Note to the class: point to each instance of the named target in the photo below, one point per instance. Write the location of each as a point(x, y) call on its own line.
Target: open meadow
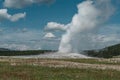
point(59, 69)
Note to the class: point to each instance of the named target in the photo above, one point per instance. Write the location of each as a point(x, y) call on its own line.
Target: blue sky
point(28, 31)
point(38, 15)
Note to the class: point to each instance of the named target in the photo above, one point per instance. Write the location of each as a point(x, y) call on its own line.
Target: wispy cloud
point(27, 39)
point(53, 26)
point(49, 35)
point(4, 15)
point(23, 3)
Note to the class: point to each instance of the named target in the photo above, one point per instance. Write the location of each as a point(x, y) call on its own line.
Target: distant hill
point(107, 52)
point(4, 49)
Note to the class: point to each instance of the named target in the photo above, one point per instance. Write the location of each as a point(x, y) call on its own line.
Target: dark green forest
point(21, 53)
point(107, 52)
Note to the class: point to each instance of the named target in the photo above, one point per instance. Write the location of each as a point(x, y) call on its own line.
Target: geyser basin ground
point(55, 55)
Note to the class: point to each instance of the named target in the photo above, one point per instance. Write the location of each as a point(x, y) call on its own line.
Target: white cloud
point(4, 15)
point(23, 3)
point(18, 16)
point(49, 35)
point(53, 26)
point(24, 30)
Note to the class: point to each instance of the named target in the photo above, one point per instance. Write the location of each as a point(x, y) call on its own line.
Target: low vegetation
point(30, 72)
point(95, 61)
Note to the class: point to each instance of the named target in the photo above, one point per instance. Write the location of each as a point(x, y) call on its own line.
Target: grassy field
point(95, 61)
point(26, 71)
point(111, 61)
point(29, 72)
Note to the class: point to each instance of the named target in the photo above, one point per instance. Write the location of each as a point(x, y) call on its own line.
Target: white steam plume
point(91, 14)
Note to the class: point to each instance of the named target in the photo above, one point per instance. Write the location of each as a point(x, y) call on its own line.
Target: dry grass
point(29, 72)
point(51, 69)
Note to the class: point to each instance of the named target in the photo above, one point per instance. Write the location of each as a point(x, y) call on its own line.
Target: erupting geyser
point(91, 14)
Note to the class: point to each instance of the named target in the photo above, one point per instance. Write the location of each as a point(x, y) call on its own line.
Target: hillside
point(107, 52)
point(4, 49)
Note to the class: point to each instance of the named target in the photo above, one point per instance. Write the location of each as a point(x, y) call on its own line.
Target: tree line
point(21, 53)
point(107, 52)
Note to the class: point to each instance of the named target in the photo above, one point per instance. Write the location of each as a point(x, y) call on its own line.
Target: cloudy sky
point(39, 24)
